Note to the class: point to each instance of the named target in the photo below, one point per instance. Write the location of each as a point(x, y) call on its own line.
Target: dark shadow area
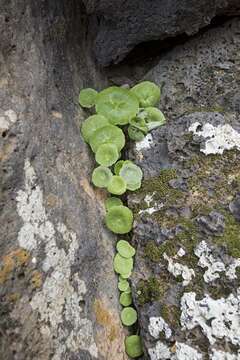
point(147, 54)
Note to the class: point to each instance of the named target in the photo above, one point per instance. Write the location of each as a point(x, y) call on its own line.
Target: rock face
point(58, 293)
point(124, 24)
point(187, 228)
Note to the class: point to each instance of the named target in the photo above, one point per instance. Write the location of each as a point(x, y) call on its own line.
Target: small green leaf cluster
point(117, 107)
point(123, 265)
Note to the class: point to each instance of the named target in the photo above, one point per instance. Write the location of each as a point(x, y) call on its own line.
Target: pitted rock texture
point(188, 250)
point(124, 24)
point(58, 293)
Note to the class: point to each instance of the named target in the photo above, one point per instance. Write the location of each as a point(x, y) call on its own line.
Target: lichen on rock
point(62, 291)
point(218, 139)
point(192, 168)
point(218, 319)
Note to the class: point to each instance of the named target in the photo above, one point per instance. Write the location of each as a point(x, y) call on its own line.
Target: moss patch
point(161, 191)
point(155, 252)
point(171, 314)
point(152, 289)
point(231, 235)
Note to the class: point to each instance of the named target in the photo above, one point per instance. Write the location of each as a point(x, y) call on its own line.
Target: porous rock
point(199, 86)
point(121, 25)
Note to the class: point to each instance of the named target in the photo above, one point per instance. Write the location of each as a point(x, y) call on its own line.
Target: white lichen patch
point(177, 269)
point(214, 266)
point(149, 198)
point(186, 352)
point(221, 355)
point(218, 138)
point(181, 252)
point(152, 209)
point(159, 352)
point(218, 319)
point(7, 118)
point(157, 325)
point(61, 293)
point(149, 201)
point(146, 143)
point(180, 351)
point(231, 270)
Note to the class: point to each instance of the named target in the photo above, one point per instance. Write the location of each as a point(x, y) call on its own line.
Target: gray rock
point(234, 207)
point(199, 193)
point(212, 223)
point(58, 291)
point(124, 24)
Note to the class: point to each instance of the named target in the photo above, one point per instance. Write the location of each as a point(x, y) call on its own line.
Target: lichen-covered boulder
point(121, 25)
point(58, 291)
point(187, 224)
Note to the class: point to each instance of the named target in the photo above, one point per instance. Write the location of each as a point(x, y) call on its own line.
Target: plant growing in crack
point(134, 111)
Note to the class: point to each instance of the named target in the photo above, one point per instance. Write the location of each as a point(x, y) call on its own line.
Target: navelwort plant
point(120, 111)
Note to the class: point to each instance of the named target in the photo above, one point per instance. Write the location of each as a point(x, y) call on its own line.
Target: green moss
point(231, 235)
point(188, 237)
point(197, 285)
point(155, 252)
point(161, 190)
point(216, 108)
point(159, 184)
point(152, 289)
point(171, 314)
point(220, 289)
point(201, 209)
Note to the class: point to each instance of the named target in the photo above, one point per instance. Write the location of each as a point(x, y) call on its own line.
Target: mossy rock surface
point(187, 210)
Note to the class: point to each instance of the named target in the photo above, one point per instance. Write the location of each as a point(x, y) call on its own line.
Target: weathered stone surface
point(58, 293)
point(186, 279)
point(124, 24)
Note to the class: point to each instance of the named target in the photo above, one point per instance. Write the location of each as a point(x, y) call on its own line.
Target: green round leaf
point(117, 104)
point(125, 249)
point(133, 187)
point(133, 346)
point(122, 265)
point(107, 154)
point(126, 275)
point(87, 97)
point(125, 299)
point(107, 134)
point(123, 285)
point(101, 176)
point(118, 166)
point(131, 173)
point(128, 316)
point(135, 134)
point(119, 219)
point(147, 93)
point(154, 118)
point(139, 124)
point(91, 124)
point(117, 185)
point(112, 201)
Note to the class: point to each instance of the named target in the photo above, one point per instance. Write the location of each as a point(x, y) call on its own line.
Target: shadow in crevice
point(146, 55)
